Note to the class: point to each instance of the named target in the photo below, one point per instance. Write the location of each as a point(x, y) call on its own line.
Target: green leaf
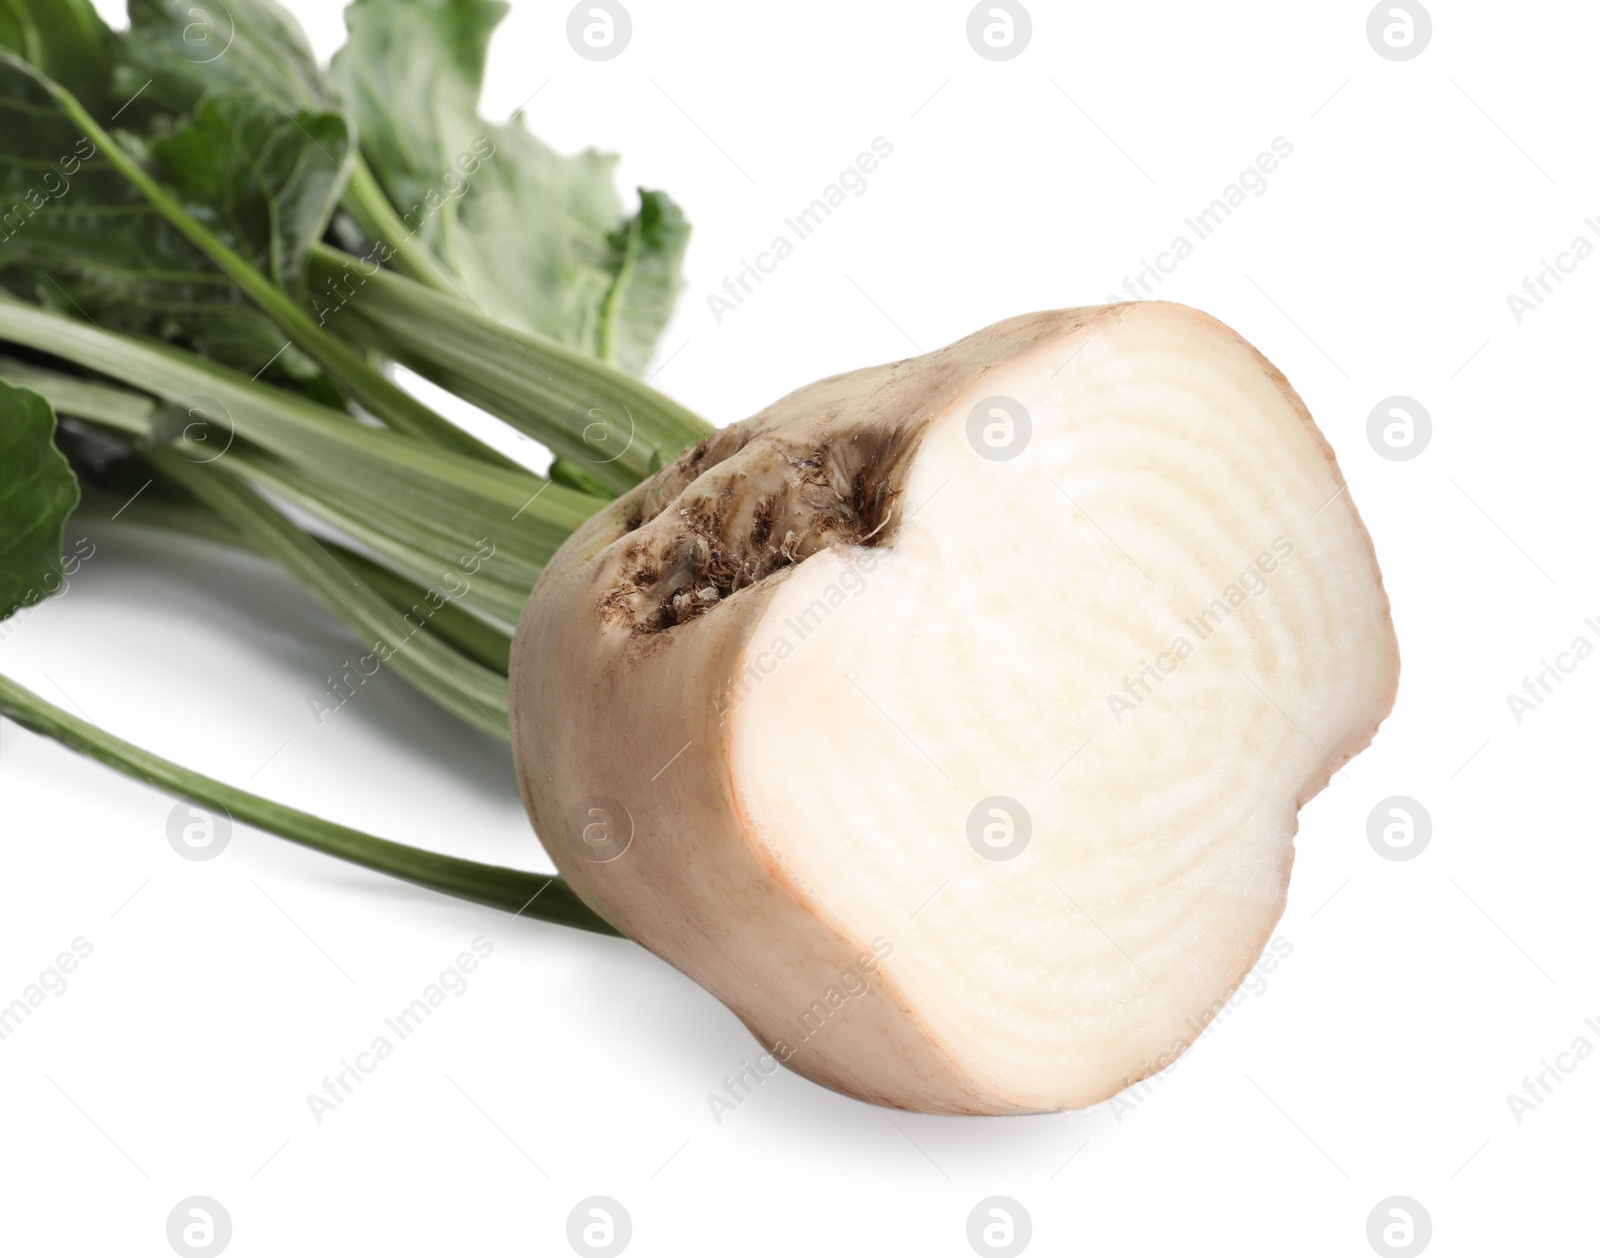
point(77, 236)
point(382, 397)
point(37, 493)
point(265, 182)
point(64, 38)
point(535, 240)
point(646, 256)
point(174, 53)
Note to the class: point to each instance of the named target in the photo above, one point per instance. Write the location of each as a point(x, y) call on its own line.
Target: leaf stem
point(520, 892)
point(598, 417)
point(611, 308)
point(364, 198)
point(458, 490)
point(452, 680)
point(473, 636)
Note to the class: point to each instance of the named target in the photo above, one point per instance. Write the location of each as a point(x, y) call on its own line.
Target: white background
point(1417, 995)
